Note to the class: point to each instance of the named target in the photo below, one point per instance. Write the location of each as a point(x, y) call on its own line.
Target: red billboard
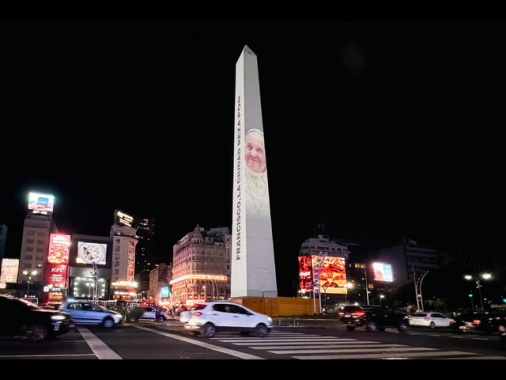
point(59, 246)
point(56, 275)
point(305, 274)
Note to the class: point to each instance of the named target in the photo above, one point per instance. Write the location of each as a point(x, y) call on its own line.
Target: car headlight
point(269, 319)
point(58, 317)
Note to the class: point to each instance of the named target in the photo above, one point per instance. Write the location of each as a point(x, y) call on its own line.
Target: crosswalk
point(304, 346)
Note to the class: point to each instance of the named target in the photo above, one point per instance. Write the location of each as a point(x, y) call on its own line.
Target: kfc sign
point(56, 275)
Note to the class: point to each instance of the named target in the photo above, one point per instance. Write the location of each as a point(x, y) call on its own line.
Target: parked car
point(208, 318)
point(147, 313)
point(22, 318)
point(429, 319)
point(89, 313)
point(486, 322)
point(376, 319)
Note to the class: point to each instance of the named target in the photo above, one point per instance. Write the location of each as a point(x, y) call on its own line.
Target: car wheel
point(160, 319)
point(371, 326)
point(432, 325)
point(108, 323)
point(208, 330)
point(261, 330)
point(37, 333)
point(403, 327)
point(350, 327)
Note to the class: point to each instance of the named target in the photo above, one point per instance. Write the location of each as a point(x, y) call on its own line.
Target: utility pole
point(95, 276)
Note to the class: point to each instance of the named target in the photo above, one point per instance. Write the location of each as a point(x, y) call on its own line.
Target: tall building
point(145, 253)
point(253, 265)
point(37, 229)
point(201, 266)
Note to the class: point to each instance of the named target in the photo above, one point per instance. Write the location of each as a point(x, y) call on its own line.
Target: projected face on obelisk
point(257, 190)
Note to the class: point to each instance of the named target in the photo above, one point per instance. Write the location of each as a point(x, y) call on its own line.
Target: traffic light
point(470, 295)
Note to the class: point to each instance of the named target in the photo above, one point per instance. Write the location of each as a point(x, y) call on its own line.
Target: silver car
point(89, 313)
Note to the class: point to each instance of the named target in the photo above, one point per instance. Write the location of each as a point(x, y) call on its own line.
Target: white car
point(89, 313)
point(149, 313)
point(208, 318)
point(429, 319)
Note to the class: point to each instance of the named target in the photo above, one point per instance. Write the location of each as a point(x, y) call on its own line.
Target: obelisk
point(253, 271)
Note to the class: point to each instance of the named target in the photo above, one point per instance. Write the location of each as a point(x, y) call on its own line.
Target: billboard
point(329, 274)
point(9, 272)
point(40, 203)
point(56, 275)
point(122, 219)
point(305, 274)
point(382, 272)
point(87, 253)
point(59, 246)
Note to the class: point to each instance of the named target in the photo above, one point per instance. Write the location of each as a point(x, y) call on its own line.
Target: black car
point(22, 318)
point(376, 319)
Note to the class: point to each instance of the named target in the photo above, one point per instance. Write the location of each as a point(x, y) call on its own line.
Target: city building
point(201, 266)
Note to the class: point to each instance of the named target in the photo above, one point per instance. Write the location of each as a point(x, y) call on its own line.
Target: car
point(487, 322)
point(351, 314)
point(208, 318)
point(90, 313)
point(22, 318)
point(429, 319)
point(148, 313)
point(376, 319)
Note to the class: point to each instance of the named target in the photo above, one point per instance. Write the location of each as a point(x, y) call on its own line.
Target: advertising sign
point(40, 203)
point(56, 275)
point(59, 246)
point(9, 271)
point(87, 253)
point(329, 274)
point(382, 272)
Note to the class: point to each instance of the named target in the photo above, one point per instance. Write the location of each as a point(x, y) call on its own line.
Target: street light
point(381, 298)
point(485, 276)
point(348, 285)
point(29, 274)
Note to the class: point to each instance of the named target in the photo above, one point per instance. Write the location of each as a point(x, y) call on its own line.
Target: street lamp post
point(485, 276)
point(29, 274)
point(381, 296)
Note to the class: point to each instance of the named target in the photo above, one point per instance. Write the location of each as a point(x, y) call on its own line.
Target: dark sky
point(375, 129)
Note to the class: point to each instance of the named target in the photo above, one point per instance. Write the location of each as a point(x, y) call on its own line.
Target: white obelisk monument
point(253, 271)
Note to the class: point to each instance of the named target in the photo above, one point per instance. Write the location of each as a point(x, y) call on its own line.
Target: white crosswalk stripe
point(316, 347)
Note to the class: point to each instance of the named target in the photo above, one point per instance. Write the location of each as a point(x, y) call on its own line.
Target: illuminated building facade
point(201, 266)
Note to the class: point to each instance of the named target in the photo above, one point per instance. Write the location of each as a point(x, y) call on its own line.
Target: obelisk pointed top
point(247, 50)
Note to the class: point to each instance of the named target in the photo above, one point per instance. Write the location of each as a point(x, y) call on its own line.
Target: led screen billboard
point(305, 274)
point(329, 273)
point(56, 275)
point(9, 272)
point(382, 272)
point(88, 252)
point(40, 203)
point(59, 246)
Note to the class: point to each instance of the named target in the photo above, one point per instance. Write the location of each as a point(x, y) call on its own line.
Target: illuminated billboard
point(56, 275)
point(87, 253)
point(329, 273)
point(305, 274)
point(59, 246)
point(9, 272)
point(40, 203)
point(122, 219)
point(382, 272)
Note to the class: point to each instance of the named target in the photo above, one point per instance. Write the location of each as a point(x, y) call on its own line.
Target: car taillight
point(197, 313)
point(476, 322)
point(359, 313)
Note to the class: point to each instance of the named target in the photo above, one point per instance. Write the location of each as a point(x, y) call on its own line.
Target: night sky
point(376, 130)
